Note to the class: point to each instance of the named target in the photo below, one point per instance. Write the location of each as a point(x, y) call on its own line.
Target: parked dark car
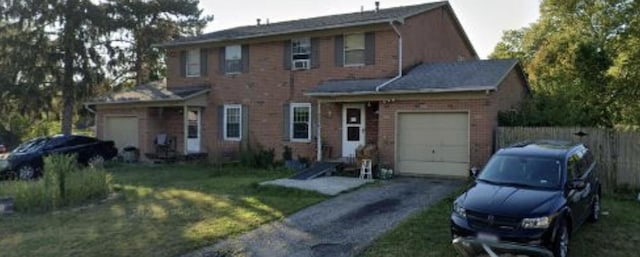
point(528, 200)
point(26, 161)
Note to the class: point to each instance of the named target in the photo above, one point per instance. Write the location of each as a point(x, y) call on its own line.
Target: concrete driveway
point(341, 226)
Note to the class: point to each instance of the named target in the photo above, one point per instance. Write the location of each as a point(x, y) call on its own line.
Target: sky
point(483, 20)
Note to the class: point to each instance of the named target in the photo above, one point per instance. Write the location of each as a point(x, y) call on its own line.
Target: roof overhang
point(159, 102)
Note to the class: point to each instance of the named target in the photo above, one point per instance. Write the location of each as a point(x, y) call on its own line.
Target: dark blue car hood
point(510, 201)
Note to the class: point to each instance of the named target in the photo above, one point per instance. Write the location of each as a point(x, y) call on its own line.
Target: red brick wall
point(433, 37)
point(267, 85)
point(481, 125)
point(511, 91)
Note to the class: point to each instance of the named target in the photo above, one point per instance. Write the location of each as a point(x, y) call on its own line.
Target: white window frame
point(344, 50)
point(299, 56)
point(227, 55)
point(292, 106)
point(224, 127)
point(193, 53)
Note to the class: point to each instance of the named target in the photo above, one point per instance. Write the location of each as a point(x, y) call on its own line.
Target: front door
point(193, 131)
point(353, 127)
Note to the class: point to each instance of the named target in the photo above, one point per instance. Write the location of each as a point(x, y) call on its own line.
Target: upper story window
point(300, 123)
point(193, 63)
point(233, 59)
point(232, 122)
point(300, 53)
point(354, 49)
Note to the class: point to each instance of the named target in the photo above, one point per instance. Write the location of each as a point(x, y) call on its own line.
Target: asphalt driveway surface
point(341, 226)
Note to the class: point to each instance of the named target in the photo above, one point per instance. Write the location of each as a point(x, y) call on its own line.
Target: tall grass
point(63, 184)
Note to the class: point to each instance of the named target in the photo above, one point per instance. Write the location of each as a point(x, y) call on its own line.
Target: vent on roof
point(377, 6)
point(258, 21)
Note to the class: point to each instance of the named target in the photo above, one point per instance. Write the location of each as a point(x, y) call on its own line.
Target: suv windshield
point(522, 171)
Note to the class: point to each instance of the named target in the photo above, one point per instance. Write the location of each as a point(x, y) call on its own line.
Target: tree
point(574, 56)
point(141, 24)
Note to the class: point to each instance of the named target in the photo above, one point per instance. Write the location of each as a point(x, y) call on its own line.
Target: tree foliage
point(55, 54)
point(578, 60)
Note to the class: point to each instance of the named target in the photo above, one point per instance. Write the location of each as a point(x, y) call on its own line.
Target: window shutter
point(204, 56)
point(286, 57)
point(244, 134)
point(369, 48)
point(183, 64)
point(315, 53)
point(221, 60)
point(339, 51)
point(313, 121)
point(245, 58)
point(221, 122)
point(286, 122)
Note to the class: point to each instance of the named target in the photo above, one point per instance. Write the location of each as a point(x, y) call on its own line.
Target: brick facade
point(431, 36)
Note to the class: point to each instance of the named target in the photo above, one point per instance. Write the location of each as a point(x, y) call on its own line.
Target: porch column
point(319, 135)
point(185, 121)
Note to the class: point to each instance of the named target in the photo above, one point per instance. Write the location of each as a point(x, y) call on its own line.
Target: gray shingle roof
point(310, 24)
point(475, 75)
point(153, 91)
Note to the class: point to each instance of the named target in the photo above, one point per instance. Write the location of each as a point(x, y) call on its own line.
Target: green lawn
point(161, 211)
point(427, 233)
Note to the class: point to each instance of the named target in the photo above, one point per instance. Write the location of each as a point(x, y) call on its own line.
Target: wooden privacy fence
point(617, 152)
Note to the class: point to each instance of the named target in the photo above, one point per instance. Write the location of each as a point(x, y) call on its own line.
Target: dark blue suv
point(528, 199)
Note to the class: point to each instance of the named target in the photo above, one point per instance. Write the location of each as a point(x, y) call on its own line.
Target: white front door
point(193, 131)
point(353, 128)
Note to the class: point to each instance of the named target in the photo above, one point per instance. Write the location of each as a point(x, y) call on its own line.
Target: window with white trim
point(354, 49)
point(233, 59)
point(193, 63)
point(300, 123)
point(232, 122)
point(300, 53)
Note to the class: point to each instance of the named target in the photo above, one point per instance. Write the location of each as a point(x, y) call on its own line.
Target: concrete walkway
point(333, 185)
point(341, 226)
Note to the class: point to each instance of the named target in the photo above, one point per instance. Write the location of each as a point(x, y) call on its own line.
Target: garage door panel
point(122, 130)
point(433, 143)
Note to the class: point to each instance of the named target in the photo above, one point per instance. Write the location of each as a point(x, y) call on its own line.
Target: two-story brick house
point(405, 79)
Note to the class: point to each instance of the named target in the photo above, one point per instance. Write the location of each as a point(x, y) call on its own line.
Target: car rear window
point(523, 170)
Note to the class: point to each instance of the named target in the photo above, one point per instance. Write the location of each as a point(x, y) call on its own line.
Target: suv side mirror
point(577, 184)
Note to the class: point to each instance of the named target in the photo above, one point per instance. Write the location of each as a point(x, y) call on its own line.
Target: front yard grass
point(427, 233)
point(161, 211)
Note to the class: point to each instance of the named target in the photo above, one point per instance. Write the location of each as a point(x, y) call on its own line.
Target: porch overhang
point(155, 94)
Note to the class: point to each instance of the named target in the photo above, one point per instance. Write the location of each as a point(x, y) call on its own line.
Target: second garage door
point(123, 130)
point(433, 144)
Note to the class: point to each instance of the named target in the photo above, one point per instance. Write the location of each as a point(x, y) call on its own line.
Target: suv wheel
point(96, 160)
point(26, 172)
point(595, 209)
point(561, 244)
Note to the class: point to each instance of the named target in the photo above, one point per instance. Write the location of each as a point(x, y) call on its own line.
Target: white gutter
point(399, 59)
point(92, 111)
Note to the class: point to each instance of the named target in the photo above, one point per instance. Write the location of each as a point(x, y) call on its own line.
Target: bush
point(63, 185)
point(260, 159)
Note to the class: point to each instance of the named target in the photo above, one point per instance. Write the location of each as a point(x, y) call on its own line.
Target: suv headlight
point(542, 222)
point(459, 210)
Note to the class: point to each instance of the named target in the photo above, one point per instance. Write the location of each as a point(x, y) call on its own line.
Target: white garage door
point(123, 130)
point(433, 144)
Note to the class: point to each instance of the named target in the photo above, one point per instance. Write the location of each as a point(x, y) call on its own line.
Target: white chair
point(365, 169)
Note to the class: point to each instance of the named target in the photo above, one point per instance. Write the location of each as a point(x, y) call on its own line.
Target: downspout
point(395, 29)
point(319, 135)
